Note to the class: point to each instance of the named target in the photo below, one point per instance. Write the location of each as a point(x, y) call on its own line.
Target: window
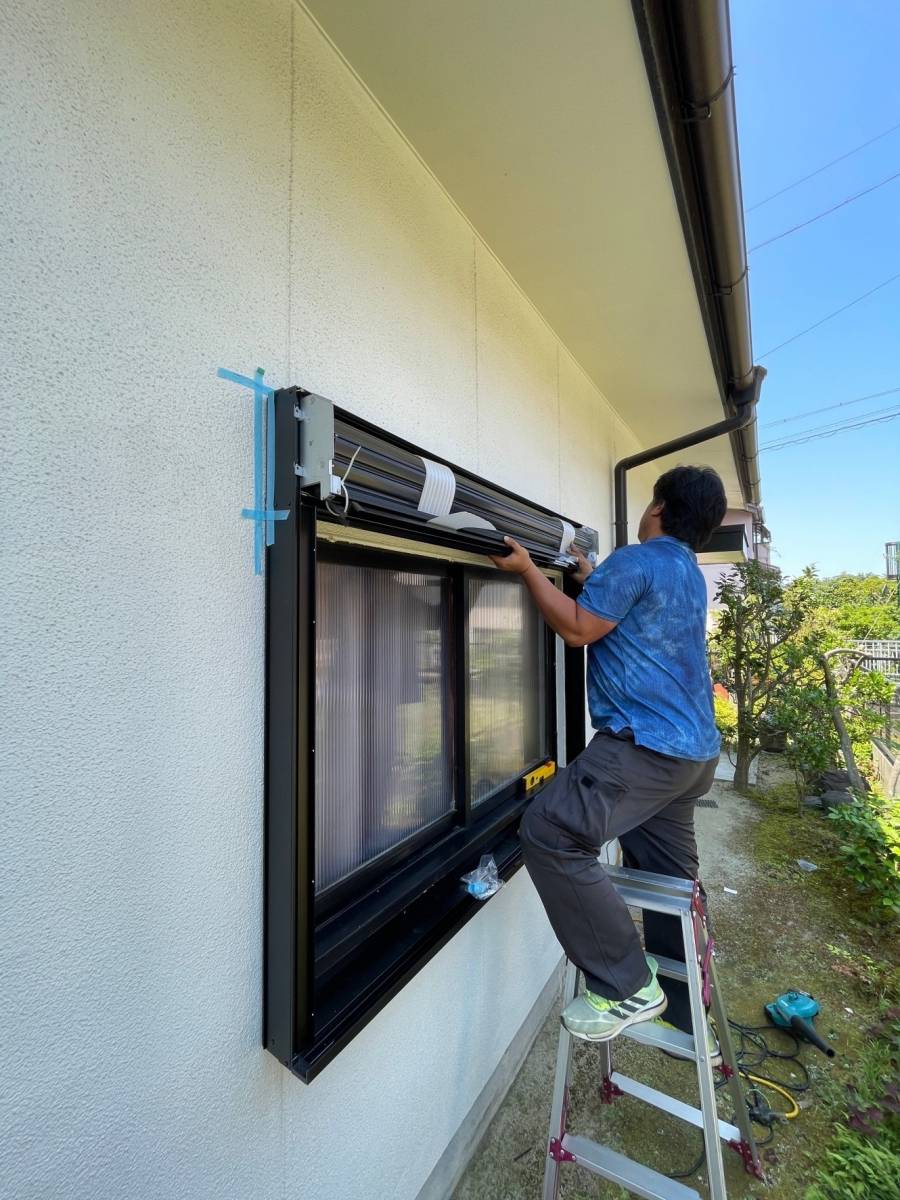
point(507, 679)
point(384, 769)
point(412, 688)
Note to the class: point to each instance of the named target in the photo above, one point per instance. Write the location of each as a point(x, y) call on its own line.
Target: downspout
point(745, 403)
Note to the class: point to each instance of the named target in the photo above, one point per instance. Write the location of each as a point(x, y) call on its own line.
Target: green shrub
point(858, 1168)
point(864, 1159)
point(726, 719)
point(870, 848)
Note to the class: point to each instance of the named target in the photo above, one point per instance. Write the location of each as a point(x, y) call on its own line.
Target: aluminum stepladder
point(680, 898)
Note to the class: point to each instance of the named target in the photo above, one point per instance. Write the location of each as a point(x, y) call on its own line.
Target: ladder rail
point(733, 1080)
point(560, 1103)
point(715, 1165)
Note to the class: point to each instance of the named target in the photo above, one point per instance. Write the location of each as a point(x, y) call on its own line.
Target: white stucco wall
point(191, 185)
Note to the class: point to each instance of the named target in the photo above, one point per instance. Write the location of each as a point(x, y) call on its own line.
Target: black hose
point(753, 1050)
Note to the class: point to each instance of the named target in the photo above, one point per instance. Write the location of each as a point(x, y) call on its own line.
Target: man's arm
point(575, 625)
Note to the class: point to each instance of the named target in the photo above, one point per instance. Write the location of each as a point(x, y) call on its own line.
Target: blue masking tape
point(255, 385)
point(263, 513)
point(266, 514)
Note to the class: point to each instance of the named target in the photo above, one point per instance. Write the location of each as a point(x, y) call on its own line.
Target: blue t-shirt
point(650, 674)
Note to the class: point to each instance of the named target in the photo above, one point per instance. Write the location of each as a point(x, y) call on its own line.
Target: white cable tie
point(341, 480)
point(438, 490)
point(350, 466)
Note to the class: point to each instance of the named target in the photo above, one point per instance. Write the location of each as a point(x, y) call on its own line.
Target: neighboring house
point(742, 537)
point(489, 232)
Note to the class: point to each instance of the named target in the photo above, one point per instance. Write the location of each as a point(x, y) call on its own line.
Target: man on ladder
point(642, 615)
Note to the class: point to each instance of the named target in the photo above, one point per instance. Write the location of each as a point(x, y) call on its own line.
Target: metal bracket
point(609, 1091)
point(316, 415)
point(694, 111)
point(559, 1153)
point(751, 1167)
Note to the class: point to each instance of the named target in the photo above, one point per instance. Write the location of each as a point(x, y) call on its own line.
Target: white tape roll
point(438, 490)
point(568, 536)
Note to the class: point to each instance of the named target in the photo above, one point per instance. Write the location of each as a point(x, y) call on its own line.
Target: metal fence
point(882, 655)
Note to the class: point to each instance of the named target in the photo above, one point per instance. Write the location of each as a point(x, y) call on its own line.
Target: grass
point(850, 1139)
point(789, 832)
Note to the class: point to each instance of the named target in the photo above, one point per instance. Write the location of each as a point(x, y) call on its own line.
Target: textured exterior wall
point(194, 185)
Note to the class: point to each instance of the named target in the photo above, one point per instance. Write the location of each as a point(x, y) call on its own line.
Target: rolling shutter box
point(364, 475)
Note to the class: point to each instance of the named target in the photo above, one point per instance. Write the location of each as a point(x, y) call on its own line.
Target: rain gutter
point(687, 52)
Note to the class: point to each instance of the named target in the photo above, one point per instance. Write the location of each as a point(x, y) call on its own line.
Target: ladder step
point(677, 1108)
point(671, 967)
point(655, 901)
point(634, 1177)
point(651, 879)
point(673, 1040)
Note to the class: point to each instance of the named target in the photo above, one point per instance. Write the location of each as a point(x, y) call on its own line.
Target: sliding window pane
point(507, 666)
point(383, 747)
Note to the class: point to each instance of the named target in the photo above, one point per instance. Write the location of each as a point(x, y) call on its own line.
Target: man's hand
point(517, 561)
point(584, 567)
point(575, 625)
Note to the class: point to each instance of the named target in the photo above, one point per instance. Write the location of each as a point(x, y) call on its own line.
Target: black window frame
point(333, 961)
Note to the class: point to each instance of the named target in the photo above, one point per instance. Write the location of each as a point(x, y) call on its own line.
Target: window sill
point(347, 929)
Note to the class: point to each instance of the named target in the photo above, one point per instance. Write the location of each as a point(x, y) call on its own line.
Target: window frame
point(333, 961)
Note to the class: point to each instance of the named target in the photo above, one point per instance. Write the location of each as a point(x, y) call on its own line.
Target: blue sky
point(814, 78)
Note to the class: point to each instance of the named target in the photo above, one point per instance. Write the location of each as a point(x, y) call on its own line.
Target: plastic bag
point(484, 881)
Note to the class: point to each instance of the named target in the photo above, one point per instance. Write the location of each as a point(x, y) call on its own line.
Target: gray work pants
point(615, 789)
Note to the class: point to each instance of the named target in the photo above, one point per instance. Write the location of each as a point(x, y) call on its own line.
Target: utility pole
point(892, 564)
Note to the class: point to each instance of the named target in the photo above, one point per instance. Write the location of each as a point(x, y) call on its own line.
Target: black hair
point(693, 501)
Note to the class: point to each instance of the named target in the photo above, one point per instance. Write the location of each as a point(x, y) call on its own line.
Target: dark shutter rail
point(384, 479)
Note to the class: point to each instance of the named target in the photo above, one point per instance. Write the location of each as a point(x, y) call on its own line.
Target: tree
point(755, 624)
point(837, 715)
point(861, 606)
point(828, 707)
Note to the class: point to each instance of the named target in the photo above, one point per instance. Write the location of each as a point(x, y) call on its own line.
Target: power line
point(826, 213)
point(876, 412)
point(836, 313)
point(837, 425)
point(819, 170)
point(813, 435)
point(814, 412)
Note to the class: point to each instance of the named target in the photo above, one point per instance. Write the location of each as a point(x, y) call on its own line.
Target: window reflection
point(507, 669)
point(383, 755)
